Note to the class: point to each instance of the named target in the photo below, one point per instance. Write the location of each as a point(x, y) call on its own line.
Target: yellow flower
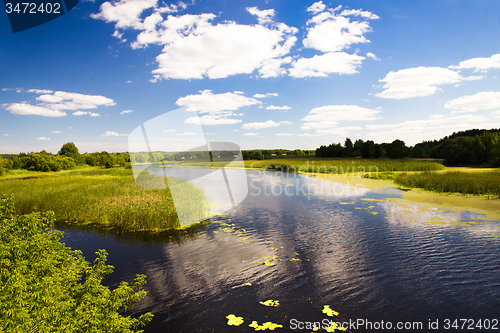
point(329, 311)
point(233, 320)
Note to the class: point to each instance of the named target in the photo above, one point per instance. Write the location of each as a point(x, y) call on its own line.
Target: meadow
point(108, 198)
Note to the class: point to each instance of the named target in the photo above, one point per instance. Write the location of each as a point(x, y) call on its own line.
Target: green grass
point(106, 197)
point(477, 183)
point(344, 166)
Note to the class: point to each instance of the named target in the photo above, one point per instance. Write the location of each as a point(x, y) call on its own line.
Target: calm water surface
point(329, 244)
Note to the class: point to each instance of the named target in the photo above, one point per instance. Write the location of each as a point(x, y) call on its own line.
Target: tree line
point(67, 158)
point(471, 147)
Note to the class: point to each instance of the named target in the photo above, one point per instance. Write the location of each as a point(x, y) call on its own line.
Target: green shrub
point(47, 287)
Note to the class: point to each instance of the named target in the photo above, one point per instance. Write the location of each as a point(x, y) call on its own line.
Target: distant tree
point(397, 149)
point(348, 146)
point(357, 148)
point(69, 149)
point(257, 155)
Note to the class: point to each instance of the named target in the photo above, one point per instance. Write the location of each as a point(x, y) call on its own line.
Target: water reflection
point(366, 254)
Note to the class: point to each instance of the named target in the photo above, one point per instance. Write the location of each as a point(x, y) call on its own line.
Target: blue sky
point(261, 74)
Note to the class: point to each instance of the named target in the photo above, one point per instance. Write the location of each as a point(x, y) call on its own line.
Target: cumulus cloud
point(26, 109)
point(417, 82)
point(111, 133)
point(480, 64)
point(266, 124)
point(250, 134)
point(126, 111)
point(317, 7)
point(328, 116)
point(263, 16)
point(333, 32)
point(52, 104)
point(42, 138)
point(273, 107)
point(196, 47)
point(56, 132)
point(265, 95)
point(208, 102)
point(187, 133)
point(284, 134)
point(5, 134)
point(480, 101)
point(216, 107)
point(325, 64)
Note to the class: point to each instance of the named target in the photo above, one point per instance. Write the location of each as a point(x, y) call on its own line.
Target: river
point(367, 254)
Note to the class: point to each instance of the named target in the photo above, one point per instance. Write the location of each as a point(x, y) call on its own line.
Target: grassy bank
point(343, 166)
point(106, 197)
point(476, 183)
point(332, 165)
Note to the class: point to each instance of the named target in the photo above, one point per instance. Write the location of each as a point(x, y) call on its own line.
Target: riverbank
point(426, 199)
point(107, 198)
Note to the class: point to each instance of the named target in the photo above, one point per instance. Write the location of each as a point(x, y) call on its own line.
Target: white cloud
point(168, 131)
point(52, 103)
point(250, 134)
point(328, 116)
point(208, 102)
point(266, 124)
point(126, 111)
point(56, 132)
point(28, 110)
point(496, 114)
point(372, 55)
point(331, 32)
point(416, 82)
point(273, 107)
point(5, 134)
point(40, 91)
point(317, 7)
point(187, 133)
point(325, 64)
point(263, 16)
point(111, 133)
point(480, 64)
point(218, 51)
point(217, 106)
point(61, 100)
point(479, 101)
point(265, 95)
point(284, 134)
point(80, 113)
point(7, 89)
point(42, 138)
point(126, 13)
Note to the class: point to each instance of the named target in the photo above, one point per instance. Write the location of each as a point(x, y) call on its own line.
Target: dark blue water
point(369, 260)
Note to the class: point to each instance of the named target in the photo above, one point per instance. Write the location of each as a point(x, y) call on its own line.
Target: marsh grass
point(109, 198)
point(476, 183)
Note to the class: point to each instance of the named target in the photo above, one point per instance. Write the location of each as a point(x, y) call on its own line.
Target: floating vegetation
point(371, 199)
point(329, 312)
point(248, 284)
point(270, 303)
point(347, 203)
point(233, 320)
point(268, 325)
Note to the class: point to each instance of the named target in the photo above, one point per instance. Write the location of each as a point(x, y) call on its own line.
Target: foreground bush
point(47, 287)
